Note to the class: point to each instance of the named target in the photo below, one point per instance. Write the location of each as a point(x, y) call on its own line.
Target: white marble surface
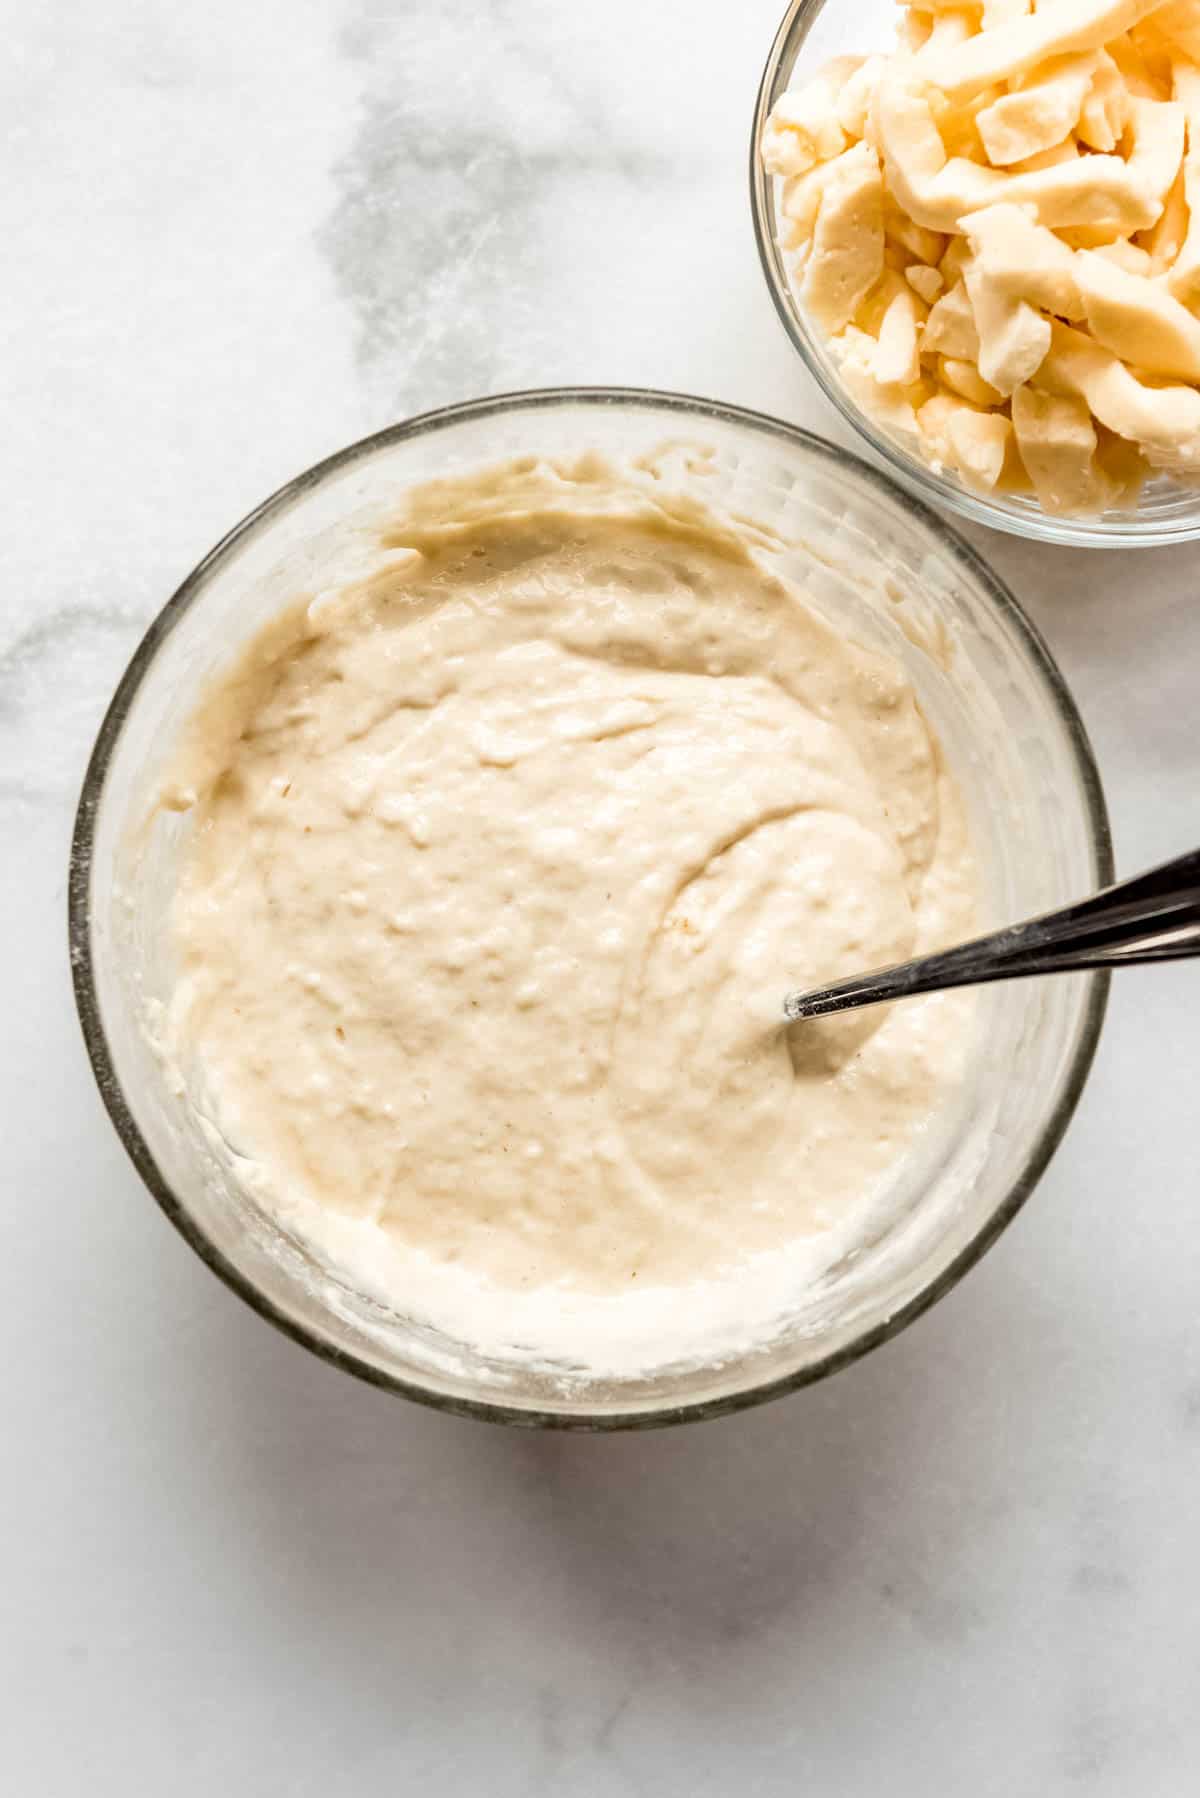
point(236, 237)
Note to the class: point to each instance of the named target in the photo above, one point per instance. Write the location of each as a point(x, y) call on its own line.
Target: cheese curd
point(997, 227)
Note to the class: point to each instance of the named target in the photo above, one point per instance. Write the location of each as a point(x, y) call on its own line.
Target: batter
point(504, 858)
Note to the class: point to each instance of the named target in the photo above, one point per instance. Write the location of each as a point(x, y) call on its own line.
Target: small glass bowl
point(871, 558)
point(811, 33)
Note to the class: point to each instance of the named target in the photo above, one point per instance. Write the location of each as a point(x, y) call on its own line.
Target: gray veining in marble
point(479, 129)
point(237, 237)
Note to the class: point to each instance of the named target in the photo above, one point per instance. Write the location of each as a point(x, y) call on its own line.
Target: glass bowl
point(889, 572)
point(811, 33)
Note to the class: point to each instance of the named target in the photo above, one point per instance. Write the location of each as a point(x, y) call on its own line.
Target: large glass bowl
point(886, 570)
point(811, 33)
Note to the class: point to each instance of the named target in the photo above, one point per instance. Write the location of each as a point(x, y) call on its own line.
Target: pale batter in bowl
point(541, 1320)
point(503, 858)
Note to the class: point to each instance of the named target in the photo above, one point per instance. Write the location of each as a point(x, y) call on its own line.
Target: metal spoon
point(1155, 917)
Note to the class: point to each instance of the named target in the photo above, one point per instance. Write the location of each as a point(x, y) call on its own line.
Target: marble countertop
point(237, 237)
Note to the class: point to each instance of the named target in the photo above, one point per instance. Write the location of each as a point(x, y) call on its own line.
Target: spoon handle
point(1154, 917)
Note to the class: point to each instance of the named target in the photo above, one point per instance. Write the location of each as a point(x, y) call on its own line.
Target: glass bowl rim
point(914, 475)
point(82, 857)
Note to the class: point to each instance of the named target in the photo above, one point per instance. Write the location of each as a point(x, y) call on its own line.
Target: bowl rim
point(917, 477)
point(82, 862)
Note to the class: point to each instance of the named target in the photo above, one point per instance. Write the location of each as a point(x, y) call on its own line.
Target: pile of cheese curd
point(996, 227)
